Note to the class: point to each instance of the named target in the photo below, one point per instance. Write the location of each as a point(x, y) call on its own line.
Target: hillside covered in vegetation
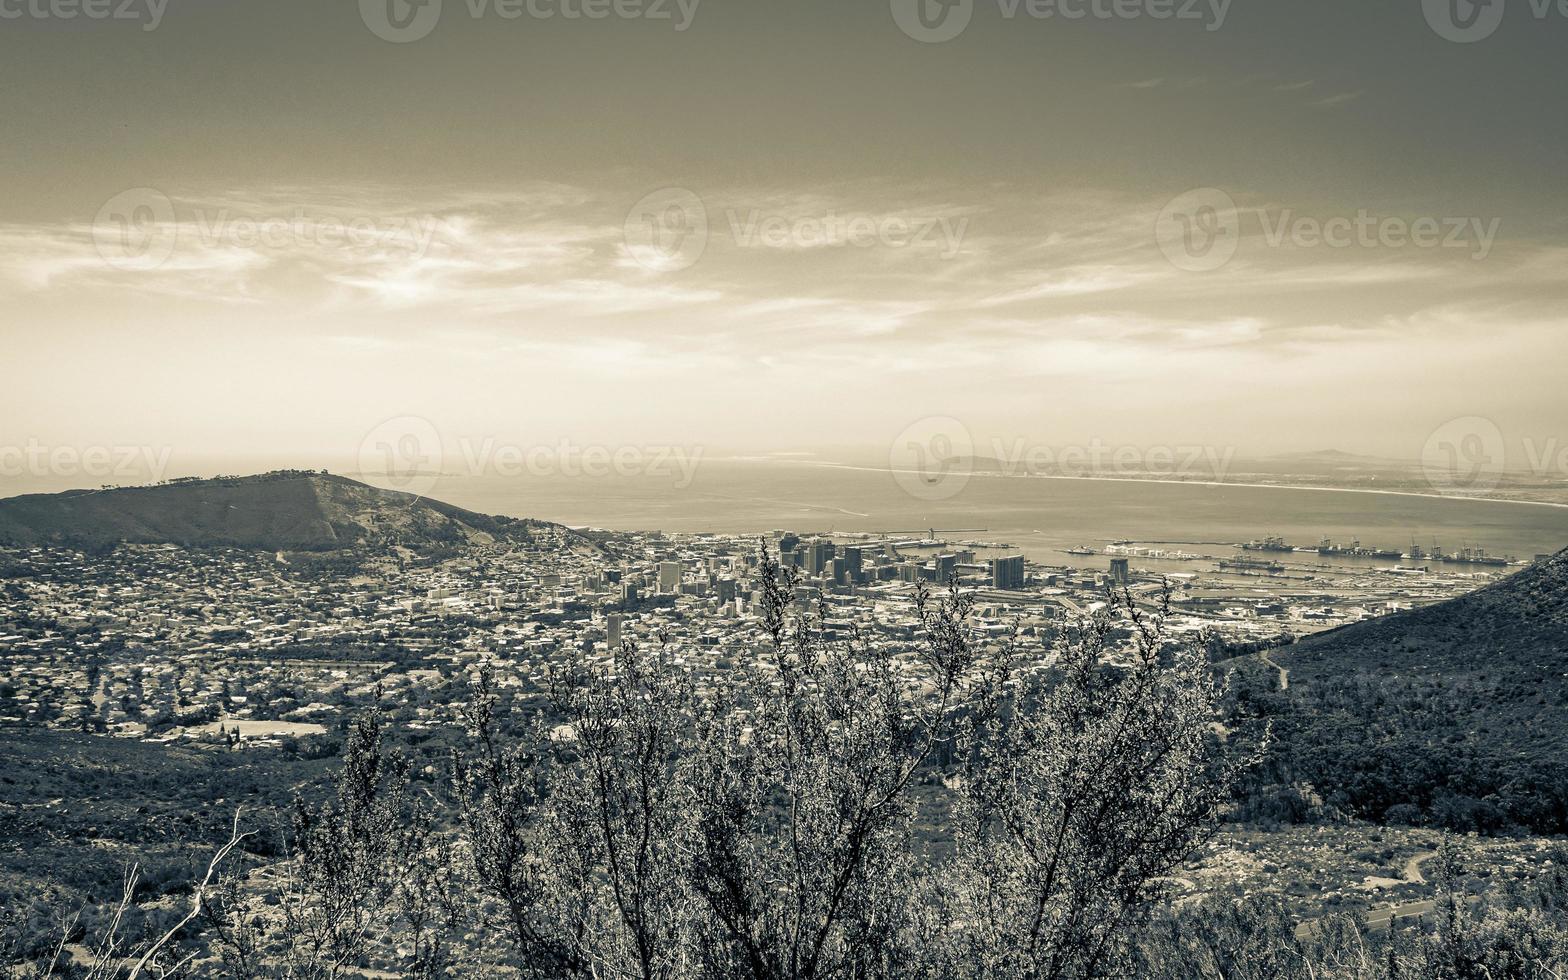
point(1455, 715)
point(297, 510)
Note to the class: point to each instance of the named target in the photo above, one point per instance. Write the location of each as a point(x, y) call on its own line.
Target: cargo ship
point(1130, 551)
point(1464, 556)
point(1269, 544)
point(1330, 549)
point(1471, 556)
point(1080, 551)
point(1244, 563)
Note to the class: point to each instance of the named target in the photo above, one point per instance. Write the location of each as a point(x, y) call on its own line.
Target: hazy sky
point(324, 229)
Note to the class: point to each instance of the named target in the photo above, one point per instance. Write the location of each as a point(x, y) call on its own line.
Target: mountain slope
point(1455, 715)
point(1520, 620)
point(288, 510)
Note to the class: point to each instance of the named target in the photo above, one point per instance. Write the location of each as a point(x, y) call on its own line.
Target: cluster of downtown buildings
point(165, 642)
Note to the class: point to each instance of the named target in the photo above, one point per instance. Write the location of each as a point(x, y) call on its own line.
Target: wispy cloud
point(1338, 99)
point(556, 261)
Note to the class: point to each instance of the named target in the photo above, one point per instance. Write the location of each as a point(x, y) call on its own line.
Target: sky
point(270, 229)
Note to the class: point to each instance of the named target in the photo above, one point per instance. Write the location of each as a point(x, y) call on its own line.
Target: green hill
point(288, 510)
point(1453, 715)
point(1519, 622)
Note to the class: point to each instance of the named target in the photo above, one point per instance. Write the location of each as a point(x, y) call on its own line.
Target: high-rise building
point(669, 577)
point(1007, 573)
point(612, 629)
point(854, 560)
point(946, 568)
point(818, 553)
point(1120, 574)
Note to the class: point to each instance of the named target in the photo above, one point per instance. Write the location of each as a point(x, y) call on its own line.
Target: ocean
point(1037, 514)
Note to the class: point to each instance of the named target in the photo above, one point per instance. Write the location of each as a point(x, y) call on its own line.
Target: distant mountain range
point(292, 510)
point(1329, 455)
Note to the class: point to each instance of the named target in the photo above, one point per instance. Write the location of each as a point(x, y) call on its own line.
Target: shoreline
point(1198, 483)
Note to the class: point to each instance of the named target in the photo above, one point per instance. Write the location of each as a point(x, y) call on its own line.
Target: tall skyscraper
point(669, 576)
point(818, 554)
point(1007, 573)
point(854, 560)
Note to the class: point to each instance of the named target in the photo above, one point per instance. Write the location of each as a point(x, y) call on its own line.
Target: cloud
point(1077, 270)
point(1339, 99)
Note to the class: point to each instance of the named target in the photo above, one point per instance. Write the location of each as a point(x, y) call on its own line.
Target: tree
point(499, 793)
point(348, 855)
point(1091, 785)
point(803, 855)
point(619, 809)
point(766, 830)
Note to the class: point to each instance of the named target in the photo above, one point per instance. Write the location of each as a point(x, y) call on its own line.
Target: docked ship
point(1080, 551)
point(1269, 544)
point(1244, 563)
point(1464, 556)
point(1471, 556)
point(1330, 549)
point(1132, 551)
